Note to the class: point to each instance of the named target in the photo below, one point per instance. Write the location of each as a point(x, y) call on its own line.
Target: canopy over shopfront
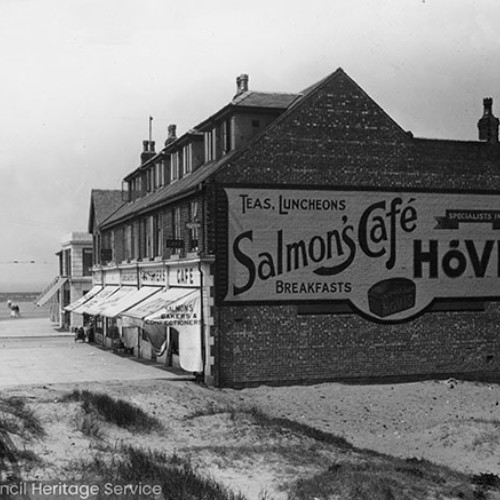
point(174, 300)
point(91, 293)
point(93, 306)
point(50, 291)
point(183, 314)
point(120, 302)
point(135, 315)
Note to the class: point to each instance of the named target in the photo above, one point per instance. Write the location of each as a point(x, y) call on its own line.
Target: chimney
point(172, 135)
point(148, 151)
point(488, 123)
point(241, 84)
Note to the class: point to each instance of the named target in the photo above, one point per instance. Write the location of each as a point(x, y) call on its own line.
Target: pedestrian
point(15, 312)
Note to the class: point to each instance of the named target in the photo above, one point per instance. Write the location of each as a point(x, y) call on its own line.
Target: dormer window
point(159, 175)
point(187, 159)
point(227, 136)
point(175, 166)
point(149, 179)
point(211, 145)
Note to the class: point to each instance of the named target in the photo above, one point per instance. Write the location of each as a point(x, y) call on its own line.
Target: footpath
point(33, 351)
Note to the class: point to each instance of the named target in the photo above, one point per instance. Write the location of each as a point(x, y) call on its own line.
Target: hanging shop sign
point(389, 254)
point(173, 243)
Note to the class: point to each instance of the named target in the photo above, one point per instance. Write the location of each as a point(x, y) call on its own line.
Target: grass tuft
point(116, 411)
point(16, 419)
point(176, 477)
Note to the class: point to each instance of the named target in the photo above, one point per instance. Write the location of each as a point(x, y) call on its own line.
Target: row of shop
point(151, 319)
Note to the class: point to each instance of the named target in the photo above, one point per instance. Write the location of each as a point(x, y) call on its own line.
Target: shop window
point(174, 341)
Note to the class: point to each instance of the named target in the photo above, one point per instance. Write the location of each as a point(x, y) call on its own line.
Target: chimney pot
point(488, 123)
point(241, 84)
point(172, 134)
point(148, 151)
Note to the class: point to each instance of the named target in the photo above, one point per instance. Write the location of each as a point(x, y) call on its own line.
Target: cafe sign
point(389, 254)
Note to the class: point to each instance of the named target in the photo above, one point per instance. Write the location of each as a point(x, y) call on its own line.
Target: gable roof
point(346, 101)
point(103, 203)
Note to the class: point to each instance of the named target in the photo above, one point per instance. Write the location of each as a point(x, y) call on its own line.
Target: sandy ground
point(455, 424)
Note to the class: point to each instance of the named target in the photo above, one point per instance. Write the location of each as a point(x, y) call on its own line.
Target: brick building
point(307, 237)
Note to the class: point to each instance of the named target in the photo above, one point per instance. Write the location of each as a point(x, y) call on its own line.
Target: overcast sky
point(80, 78)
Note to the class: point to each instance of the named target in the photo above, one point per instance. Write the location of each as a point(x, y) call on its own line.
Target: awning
point(49, 292)
point(91, 293)
point(113, 299)
point(183, 314)
point(156, 303)
point(118, 303)
point(93, 305)
point(184, 311)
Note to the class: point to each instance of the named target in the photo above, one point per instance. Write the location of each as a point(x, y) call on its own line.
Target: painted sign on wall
point(390, 254)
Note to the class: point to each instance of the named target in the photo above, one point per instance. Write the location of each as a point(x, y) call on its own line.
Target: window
point(208, 149)
point(135, 240)
point(149, 237)
point(176, 227)
point(211, 145)
point(87, 261)
point(166, 169)
point(142, 239)
point(174, 171)
point(159, 174)
point(194, 226)
point(112, 243)
point(187, 159)
point(227, 136)
point(158, 237)
point(127, 236)
point(67, 262)
point(149, 179)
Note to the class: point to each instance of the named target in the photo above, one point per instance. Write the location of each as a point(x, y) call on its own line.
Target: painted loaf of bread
point(391, 296)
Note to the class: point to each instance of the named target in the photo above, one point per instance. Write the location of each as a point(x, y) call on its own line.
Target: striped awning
point(51, 290)
point(91, 293)
point(128, 300)
point(94, 305)
point(156, 303)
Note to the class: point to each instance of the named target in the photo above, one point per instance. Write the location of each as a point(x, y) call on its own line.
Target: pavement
point(33, 351)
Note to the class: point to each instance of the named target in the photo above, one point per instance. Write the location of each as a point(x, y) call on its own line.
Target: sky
point(80, 79)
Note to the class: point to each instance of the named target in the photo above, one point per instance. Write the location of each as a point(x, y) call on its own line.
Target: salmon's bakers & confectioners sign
point(390, 254)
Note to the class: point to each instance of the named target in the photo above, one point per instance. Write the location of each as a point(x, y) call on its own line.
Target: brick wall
point(339, 137)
